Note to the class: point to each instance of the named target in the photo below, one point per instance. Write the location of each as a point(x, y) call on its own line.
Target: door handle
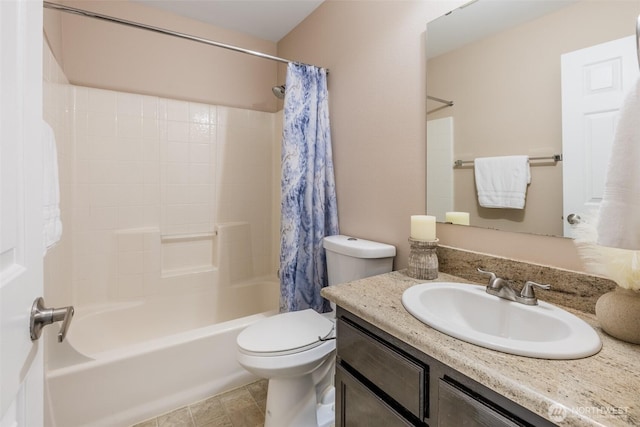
point(42, 316)
point(573, 219)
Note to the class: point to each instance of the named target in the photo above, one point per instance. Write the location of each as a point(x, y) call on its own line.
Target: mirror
point(499, 62)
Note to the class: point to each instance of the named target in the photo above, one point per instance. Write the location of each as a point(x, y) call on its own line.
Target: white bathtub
point(124, 363)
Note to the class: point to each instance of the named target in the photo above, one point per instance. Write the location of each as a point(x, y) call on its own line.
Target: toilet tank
point(350, 258)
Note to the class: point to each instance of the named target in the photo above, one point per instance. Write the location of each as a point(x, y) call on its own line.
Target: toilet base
point(326, 409)
point(291, 402)
point(302, 401)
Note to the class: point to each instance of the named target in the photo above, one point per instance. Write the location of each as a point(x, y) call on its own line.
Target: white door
point(594, 82)
point(21, 243)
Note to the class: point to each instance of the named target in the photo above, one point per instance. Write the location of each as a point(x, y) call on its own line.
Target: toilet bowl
point(296, 350)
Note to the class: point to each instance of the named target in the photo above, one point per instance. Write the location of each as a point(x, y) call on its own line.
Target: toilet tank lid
point(358, 248)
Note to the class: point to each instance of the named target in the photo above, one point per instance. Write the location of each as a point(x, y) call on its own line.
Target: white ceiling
point(265, 19)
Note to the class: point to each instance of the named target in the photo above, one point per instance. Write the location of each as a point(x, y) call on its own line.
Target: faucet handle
point(492, 276)
point(527, 290)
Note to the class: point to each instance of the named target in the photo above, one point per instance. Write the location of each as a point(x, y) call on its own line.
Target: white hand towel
point(502, 181)
point(52, 231)
point(619, 216)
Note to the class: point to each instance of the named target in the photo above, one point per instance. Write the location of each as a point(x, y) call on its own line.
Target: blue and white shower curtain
point(309, 208)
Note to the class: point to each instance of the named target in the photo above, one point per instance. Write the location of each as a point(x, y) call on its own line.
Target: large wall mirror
point(494, 87)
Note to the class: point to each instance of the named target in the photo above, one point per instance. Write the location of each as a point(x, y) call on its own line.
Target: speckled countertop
point(601, 390)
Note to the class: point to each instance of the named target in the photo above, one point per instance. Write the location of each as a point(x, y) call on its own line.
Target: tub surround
point(598, 390)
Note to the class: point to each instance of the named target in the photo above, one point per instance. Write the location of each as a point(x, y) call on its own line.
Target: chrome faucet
point(502, 288)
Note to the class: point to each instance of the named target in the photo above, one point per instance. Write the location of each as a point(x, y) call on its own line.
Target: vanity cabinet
point(382, 381)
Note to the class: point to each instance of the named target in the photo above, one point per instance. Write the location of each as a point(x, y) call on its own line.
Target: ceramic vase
point(618, 312)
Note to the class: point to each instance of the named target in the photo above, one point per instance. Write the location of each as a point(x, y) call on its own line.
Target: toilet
point(296, 350)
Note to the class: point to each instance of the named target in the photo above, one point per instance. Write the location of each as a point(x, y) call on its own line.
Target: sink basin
point(468, 313)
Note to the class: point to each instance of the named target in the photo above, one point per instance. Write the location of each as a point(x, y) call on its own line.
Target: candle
point(423, 227)
point(461, 218)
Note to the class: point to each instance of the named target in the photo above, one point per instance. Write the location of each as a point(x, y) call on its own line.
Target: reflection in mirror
point(506, 87)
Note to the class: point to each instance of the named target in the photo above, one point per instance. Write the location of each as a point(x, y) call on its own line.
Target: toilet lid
point(285, 332)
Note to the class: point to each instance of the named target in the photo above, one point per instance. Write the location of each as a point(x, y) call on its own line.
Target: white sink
point(468, 313)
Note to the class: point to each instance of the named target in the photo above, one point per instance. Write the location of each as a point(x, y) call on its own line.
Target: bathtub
point(124, 363)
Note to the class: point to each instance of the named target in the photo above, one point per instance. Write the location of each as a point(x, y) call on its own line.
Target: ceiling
point(266, 19)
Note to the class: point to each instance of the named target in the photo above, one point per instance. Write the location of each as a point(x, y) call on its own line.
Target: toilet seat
point(286, 333)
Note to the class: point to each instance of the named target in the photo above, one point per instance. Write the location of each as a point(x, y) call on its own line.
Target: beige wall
point(104, 55)
point(507, 91)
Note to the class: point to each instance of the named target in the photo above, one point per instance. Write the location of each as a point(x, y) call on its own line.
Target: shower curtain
point(309, 208)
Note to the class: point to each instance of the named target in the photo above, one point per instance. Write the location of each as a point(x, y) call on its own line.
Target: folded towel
point(52, 231)
point(619, 215)
point(502, 181)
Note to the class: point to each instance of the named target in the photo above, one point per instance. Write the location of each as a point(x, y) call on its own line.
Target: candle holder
point(423, 260)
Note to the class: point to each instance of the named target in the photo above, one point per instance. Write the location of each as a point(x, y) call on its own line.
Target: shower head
point(278, 91)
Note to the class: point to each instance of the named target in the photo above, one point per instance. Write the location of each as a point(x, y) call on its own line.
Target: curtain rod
point(89, 14)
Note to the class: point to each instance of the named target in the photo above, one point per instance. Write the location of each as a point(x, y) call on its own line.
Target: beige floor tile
point(234, 400)
point(220, 424)
point(242, 407)
point(258, 390)
point(209, 411)
point(178, 418)
point(249, 416)
point(148, 423)
point(262, 404)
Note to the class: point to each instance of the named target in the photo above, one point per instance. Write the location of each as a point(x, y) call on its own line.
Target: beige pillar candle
point(423, 227)
point(461, 218)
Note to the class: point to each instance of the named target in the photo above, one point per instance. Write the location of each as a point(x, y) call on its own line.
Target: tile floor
point(242, 407)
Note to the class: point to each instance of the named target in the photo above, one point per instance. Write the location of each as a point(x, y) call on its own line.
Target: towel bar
point(444, 101)
point(555, 158)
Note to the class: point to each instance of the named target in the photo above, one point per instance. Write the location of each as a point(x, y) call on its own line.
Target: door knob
point(573, 219)
point(42, 316)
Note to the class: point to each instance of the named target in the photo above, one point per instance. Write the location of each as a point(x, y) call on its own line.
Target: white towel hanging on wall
point(502, 181)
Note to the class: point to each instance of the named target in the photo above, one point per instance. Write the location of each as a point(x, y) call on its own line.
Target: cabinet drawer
point(399, 377)
point(458, 408)
point(357, 406)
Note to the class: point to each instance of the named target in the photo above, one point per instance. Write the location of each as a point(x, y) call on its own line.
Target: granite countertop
point(601, 390)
